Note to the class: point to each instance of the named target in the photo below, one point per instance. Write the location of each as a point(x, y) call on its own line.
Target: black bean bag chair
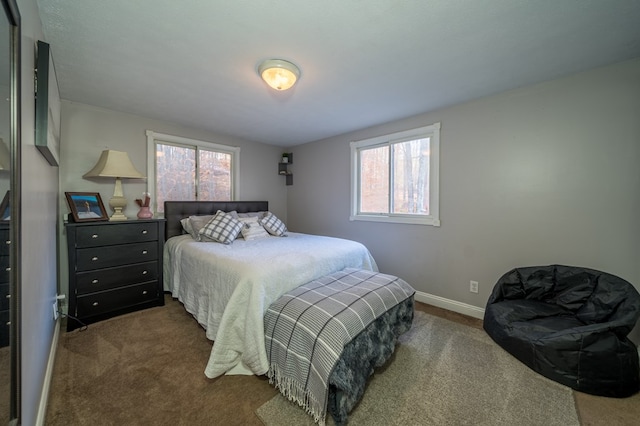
point(569, 324)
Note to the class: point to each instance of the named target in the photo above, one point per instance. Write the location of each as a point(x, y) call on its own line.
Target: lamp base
point(116, 216)
point(117, 204)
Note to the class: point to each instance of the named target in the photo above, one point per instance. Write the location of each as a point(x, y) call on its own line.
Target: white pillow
point(186, 225)
point(273, 225)
point(252, 229)
point(223, 228)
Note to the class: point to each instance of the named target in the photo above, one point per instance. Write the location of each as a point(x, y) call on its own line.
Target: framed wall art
point(86, 206)
point(47, 106)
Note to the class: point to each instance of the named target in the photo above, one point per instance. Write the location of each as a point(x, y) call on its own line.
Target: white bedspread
point(228, 288)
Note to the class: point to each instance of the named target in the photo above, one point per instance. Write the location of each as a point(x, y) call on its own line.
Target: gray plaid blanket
point(307, 328)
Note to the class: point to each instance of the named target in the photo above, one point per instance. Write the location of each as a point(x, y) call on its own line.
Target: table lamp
point(115, 164)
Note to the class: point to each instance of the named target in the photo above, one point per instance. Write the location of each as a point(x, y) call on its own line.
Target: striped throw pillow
point(252, 229)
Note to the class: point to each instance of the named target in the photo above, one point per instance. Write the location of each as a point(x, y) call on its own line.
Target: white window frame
point(433, 218)
point(153, 138)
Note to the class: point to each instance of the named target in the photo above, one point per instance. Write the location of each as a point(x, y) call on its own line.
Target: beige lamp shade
point(115, 164)
point(279, 74)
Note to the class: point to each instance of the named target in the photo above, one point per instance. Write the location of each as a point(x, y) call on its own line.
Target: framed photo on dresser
point(86, 206)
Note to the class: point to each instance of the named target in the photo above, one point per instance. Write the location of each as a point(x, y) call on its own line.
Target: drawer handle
point(94, 258)
point(95, 303)
point(7, 242)
point(94, 236)
point(8, 322)
point(144, 252)
point(144, 272)
point(144, 231)
point(8, 296)
point(144, 292)
point(8, 269)
point(94, 282)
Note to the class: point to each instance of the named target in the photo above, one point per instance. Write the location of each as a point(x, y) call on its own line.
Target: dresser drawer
point(106, 257)
point(4, 296)
point(111, 300)
point(105, 279)
point(5, 243)
point(4, 269)
point(4, 328)
point(102, 235)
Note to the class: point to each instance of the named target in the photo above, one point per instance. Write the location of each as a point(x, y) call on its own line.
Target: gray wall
point(539, 175)
point(88, 130)
point(39, 218)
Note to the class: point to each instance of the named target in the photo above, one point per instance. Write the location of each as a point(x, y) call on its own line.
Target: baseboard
point(44, 397)
point(451, 305)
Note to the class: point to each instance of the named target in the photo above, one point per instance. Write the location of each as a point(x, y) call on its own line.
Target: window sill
point(412, 220)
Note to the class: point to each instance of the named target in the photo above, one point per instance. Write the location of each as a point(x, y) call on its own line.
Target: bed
point(230, 295)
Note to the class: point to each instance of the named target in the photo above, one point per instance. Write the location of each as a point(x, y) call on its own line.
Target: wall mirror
point(9, 213)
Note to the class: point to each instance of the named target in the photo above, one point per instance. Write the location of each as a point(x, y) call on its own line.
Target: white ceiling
point(363, 62)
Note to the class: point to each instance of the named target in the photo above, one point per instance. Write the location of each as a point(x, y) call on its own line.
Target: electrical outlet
point(473, 286)
point(55, 310)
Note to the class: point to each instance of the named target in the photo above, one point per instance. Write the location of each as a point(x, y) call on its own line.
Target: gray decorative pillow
point(273, 225)
point(186, 225)
point(223, 228)
point(197, 223)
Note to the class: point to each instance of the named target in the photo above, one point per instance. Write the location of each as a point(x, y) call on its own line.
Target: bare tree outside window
point(411, 177)
point(179, 177)
point(410, 184)
point(395, 177)
point(214, 176)
point(374, 175)
point(175, 174)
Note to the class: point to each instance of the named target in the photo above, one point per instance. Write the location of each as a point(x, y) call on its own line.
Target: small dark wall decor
point(47, 106)
point(86, 206)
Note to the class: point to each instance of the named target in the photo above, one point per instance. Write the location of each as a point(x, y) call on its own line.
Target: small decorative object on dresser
point(86, 206)
point(114, 268)
point(145, 206)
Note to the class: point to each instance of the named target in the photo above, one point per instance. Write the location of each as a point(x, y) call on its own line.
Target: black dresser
point(4, 283)
point(114, 268)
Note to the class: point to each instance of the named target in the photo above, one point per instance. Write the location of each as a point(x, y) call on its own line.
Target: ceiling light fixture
point(279, 74)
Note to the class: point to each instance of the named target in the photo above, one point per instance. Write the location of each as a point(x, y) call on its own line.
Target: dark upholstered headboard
point(174, 211)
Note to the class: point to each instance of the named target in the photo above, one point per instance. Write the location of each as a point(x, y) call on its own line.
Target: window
point(183, 169)
point(395, 177)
